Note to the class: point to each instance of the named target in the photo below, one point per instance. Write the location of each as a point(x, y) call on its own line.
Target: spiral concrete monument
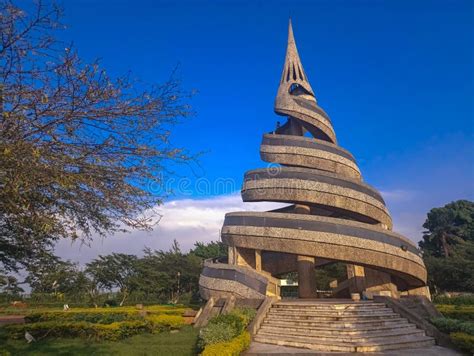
point(332, 215)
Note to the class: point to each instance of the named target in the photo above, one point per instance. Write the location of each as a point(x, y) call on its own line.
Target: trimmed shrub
point(231, 348)
point(221, 328)
point(166, 309)
point(94, 317)
point(459, 300)
point(100, 324)
point(448, 325)
point(103, 315)
point(246, 314)
point(232, 319)
point(461, 312)
point(215, 333)
point(125, 329)
point(113, 331)
point(226, 331)
point(164, 322)
point(463, 341)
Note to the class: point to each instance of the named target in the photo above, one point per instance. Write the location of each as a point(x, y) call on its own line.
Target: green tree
point(51, 275)
point(448, 226)
point(81, 153)
point(117, 270)
point(328, 273)
point(454, 273)
point(213, 249)
point(170, 273)
point(9, 286)
point(448, 247)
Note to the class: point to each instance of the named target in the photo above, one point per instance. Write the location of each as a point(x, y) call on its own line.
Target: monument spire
point(296, 100)
point(330, 216)
point(293, 71)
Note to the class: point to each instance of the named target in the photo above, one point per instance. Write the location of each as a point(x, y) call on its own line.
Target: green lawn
point(180, 343)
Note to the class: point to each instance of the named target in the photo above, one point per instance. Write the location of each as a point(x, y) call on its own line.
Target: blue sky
point(396, 78)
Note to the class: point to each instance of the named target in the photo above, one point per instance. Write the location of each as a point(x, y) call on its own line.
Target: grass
point(179, 343)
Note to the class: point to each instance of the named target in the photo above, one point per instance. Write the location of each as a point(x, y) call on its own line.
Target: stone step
point(411, 342)
point(332, 310)
point(332, 313)
point(369, 331)
point(346, 318)
point(329, 306)
point(386, 335)
point(331, 317)
point(339, 326)
point(334, 328)
point(335, 324)
point(326, 301)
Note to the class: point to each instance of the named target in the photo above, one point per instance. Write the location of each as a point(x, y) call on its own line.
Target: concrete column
point(356, 278)
point(258, 260)
point(245, 257)
point(379, 283)
point(306, 278)
point(421, 291)
point(306, 274)
point(231, 259)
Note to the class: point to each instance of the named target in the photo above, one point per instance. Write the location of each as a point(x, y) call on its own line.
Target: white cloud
point(186, 220)
point(397, 195)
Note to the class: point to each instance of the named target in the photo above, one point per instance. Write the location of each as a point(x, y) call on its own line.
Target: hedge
point(102, 315)
point(225, 334)
point(246, 314)
point(113, 331)
point(90, 317)
point(230, 348)
point(43, 314)
point(97, 331)
point(461, 312)
point(458, 300)
point(463, 341)
point(165, 322)
point(448, 325)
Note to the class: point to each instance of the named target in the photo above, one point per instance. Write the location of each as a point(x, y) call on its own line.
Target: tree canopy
point(158, 275)
point(448, 247)
point(448, 226)
point(212, 249)
point(79, 148)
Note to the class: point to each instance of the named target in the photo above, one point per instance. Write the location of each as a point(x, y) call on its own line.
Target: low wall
point(221, 280)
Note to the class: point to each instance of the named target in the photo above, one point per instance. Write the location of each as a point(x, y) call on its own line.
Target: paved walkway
point(11, 319)
point(257, 348)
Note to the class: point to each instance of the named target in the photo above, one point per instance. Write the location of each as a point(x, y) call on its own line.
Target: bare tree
point(77, 147)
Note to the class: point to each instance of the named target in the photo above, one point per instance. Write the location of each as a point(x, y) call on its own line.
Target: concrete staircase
point(342, 326)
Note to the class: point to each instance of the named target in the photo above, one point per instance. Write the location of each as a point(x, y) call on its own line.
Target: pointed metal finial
point(293, 68)
point(295, 97)
point(291, 37)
